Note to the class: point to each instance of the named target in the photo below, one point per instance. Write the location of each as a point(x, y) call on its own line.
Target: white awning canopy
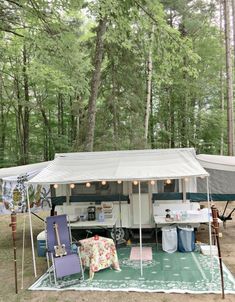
point(120, 165)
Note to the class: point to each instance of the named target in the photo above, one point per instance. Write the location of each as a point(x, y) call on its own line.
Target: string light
point(88, 184)
point(55, 186)
point(152, 182)
point(119, 182)
point(168, 181)
point(135, 182)
point(186, 179)
point(103, 182)
point(72, 186)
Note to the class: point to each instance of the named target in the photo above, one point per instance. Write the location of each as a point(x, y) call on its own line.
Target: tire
point(121, 234)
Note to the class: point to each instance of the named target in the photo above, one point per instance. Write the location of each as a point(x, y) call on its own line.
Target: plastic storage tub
point(169, 239)
point(206, 250)
point(41, 244)
point(186, 239)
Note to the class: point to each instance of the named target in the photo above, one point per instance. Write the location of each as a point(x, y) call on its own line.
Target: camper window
point(143, 187)
point(165, 186)
point(109, 188)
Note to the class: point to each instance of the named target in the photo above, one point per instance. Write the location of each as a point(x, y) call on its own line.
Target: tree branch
point(15, 3)
point(11, 31)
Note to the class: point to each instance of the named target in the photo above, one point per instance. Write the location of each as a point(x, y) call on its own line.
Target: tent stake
point(214, 211)
point(13, 228)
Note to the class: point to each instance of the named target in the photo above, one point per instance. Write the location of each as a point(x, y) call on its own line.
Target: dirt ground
point(7, 286)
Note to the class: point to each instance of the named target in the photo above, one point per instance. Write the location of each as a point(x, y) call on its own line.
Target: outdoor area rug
point(146, 253)
point(170, 273)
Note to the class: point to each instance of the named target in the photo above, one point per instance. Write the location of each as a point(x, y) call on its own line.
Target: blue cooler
point(186, 239)
point(41, 244)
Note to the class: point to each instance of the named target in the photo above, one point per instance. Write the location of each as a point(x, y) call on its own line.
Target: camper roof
point(120, 165)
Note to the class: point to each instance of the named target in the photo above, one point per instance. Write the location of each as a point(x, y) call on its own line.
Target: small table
point(194, 221)
point(98, 254)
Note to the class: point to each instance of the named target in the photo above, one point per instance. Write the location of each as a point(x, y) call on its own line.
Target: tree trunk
point(149, 88)
point(95, 83)
point(229, 74)
point(222, 77)
point(233, 13)
point(72, 125)
point(60, 115)
point(49, 145)
point(26, 110)
point(2, 126)
point(151, 124)
point(19, 128)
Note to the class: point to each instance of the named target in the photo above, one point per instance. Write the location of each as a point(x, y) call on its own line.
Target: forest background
point(114, 74)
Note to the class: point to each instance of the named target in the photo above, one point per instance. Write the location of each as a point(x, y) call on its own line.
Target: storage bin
point(169, 239)
point(186, 239)
point(205, 250)
point(41, 244)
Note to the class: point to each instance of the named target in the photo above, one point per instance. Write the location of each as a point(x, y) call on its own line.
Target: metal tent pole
point(140, 226)
point(31, 234)
point(209, 221)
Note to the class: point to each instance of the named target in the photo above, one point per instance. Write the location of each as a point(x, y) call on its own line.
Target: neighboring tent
point(13, 181)
point(222, 174)
point(19, 170)
point(141, 165)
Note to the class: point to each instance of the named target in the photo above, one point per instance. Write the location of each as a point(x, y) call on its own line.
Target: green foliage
point(48, 46)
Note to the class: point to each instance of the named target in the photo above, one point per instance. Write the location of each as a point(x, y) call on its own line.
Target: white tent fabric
point(217, 162)
point(120, 165)
point(18, 170)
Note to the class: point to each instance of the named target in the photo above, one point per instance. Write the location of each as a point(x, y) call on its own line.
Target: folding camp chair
point(64, 261)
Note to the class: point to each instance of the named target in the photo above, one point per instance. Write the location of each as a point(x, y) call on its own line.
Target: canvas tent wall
point(222, 174)
point(130, 165)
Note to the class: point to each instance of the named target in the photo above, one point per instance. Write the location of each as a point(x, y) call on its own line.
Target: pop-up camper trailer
point(108, 181)
point(167, 169)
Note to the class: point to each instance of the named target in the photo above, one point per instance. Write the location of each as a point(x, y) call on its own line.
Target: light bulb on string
point(119, 182)
point(168, 181)
point(152, 182)
point(88, 184)
point(72, 186)
point(135, 182)
point(55, 186)
point(103, 182)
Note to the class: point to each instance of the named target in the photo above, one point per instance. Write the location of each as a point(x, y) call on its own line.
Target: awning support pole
point(209, 223)
point(141, 256)
point(31, 234)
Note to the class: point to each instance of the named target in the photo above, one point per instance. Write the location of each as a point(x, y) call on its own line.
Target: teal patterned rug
point(170, 273)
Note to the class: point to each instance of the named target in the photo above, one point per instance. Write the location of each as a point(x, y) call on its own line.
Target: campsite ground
point(7, 269)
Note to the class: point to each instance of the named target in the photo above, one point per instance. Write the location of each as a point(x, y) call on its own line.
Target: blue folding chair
point(64, 260)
